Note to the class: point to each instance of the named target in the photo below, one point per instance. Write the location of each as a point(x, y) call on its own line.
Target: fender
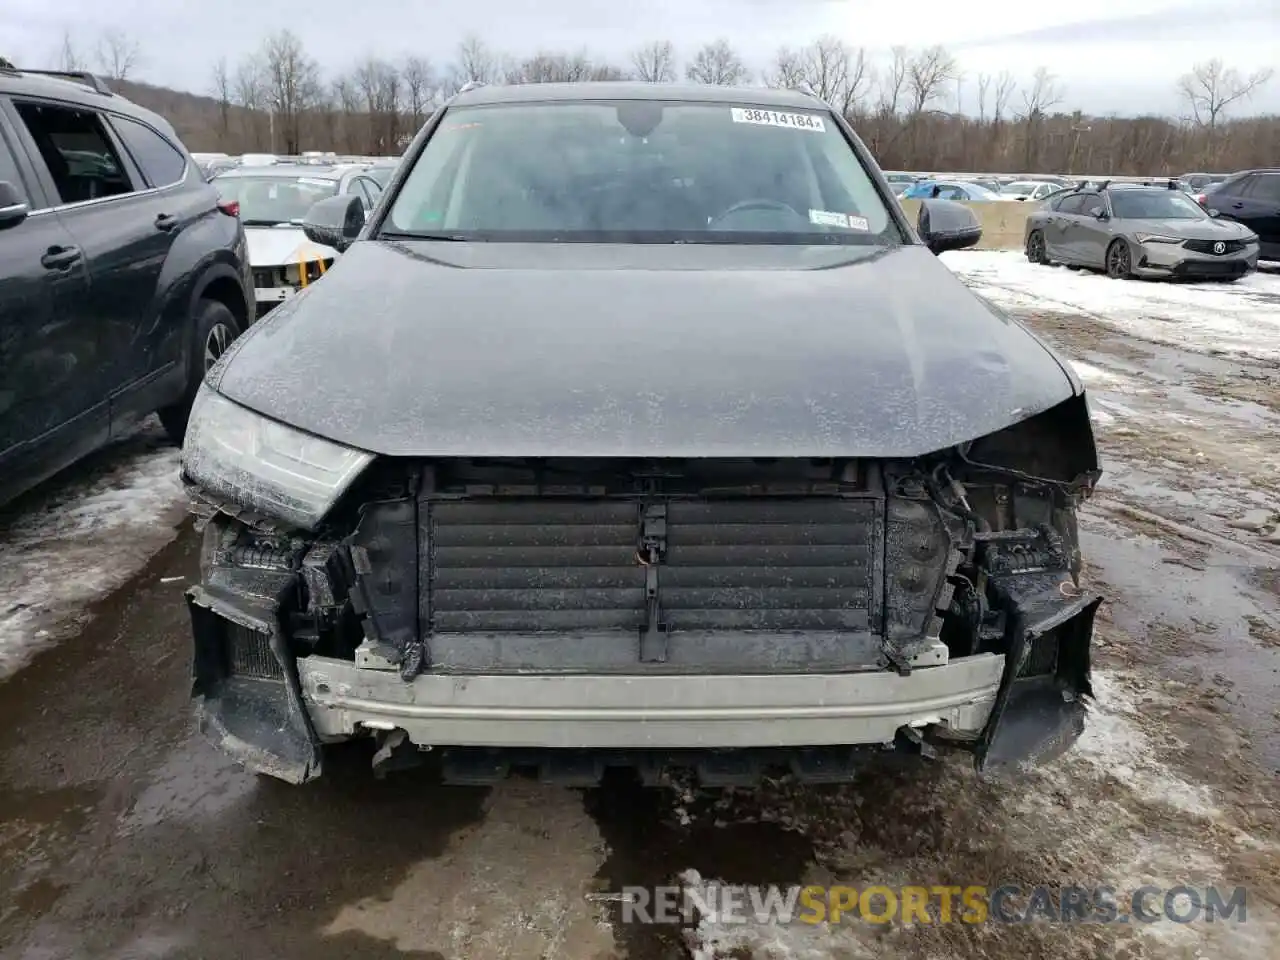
point(212, 272)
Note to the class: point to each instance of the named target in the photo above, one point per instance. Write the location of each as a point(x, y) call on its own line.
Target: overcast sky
point(1120, 56)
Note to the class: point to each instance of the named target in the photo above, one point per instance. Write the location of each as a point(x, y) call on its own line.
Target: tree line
point(918, 109)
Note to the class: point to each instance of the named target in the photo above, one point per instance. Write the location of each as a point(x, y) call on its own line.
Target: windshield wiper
point(392, 235)
point(262, 223)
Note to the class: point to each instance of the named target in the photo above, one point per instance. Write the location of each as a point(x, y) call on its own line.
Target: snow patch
point(1242, 318)
point(83, 542)
point(1115, 744)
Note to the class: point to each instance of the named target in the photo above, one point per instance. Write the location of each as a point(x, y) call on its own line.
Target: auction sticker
point(829, 218)
point(771, 118)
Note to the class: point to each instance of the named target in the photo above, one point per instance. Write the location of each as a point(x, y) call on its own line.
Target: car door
point(1057, 228)
point(1258, 208)
point(153, 334)
point(1090, 235)
point(123, 226)
point(51, 406)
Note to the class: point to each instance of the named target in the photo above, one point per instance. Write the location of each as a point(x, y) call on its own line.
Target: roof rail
point(1103, 185)
point(90, 80)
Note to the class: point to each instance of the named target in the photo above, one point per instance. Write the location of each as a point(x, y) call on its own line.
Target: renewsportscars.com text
point(1009, 903)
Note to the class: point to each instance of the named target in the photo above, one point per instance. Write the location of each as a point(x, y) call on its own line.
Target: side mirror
point(13, 209)
point(1215, 213)
point(946, 225)
point(1099, 214)
point(335, 221)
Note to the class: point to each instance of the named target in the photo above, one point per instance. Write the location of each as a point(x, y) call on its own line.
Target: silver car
point(1138, 231)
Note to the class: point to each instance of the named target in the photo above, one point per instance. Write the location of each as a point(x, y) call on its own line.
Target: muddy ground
point(123, 836)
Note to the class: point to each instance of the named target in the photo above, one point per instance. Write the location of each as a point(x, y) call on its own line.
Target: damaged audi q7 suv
point(637, 426)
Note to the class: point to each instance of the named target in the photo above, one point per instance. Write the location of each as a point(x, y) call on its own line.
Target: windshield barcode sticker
point(828, 218)
point(771, 118)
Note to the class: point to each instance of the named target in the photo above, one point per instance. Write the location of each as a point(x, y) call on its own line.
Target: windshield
point(267, 201)
point(1155, 205)
point(642, 171)
point(380, 175)
point(1019, 189)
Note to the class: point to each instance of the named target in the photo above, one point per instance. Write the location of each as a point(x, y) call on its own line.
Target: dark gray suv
point(637, 426)
point(122, 277)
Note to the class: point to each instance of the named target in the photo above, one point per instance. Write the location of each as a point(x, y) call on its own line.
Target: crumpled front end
point(731, 616)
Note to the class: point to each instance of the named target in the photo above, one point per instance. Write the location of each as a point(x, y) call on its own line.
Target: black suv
point(1251, 197)
point(121, 276)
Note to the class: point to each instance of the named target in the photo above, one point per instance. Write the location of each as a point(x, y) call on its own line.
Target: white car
point(273, 201)
point(1029, 190)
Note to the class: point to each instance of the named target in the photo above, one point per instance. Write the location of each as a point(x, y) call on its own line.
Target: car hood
point(281, 246)
point(454, 349)
point(1190, 229)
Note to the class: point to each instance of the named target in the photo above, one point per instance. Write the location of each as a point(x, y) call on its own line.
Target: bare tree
point(222, 93)
point(560, 68)
point(346, 98)
point(984, 86)
point(894, 83)
point(292, 86)
point(419, 88)
point(1006, 86)
point(717, 63)
point(1043, 95)
point(69, 57)
point(378, 83)
point(249, 93)
point(116, 54)
point(655, 62)
point(475, 63)
point(1210, 88)
point(928, 74)
point(787, 70)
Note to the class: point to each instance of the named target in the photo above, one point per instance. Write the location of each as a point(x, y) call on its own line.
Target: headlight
point(1155, 238)
point(270, 468)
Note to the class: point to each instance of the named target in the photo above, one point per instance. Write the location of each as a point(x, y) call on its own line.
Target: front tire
point(1036, 249)
point(1119, 261)
point(215, 328)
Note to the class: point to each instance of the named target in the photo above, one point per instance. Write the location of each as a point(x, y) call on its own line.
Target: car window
point(1242, 187)
point(372, 189)
point(1265, 186)
point(77, 151)
point(160, 161)
point(267, 201)
point(1090, 202)
point(1155, 205)
point(9, 169)
point(1071, 204)
point(641, 172)
point(1018, 189)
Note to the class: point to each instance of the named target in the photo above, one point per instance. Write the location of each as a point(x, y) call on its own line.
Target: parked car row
point(123, 275)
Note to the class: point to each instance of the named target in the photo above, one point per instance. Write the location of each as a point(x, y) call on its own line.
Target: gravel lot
point(123, 836)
